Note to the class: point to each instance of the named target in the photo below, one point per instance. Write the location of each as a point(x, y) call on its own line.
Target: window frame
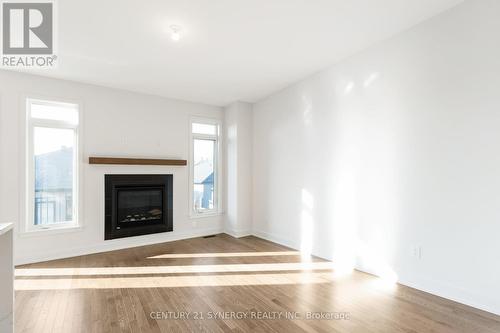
point(217, 137)
point(30, 124)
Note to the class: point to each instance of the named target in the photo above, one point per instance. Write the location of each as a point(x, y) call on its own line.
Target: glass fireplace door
point(139, 206)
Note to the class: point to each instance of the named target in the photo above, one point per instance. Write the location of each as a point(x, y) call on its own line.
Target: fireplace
point(137, 205)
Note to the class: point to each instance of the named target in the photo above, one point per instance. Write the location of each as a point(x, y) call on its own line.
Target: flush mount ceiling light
point(175, 32)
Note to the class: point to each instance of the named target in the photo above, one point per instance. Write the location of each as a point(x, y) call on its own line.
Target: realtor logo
point(28, 29)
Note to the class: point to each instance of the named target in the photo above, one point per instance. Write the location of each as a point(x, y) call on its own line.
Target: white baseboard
point(452, 293)
point(112, 245)
point(275, 239)
point(429, 286)
point(238, 233)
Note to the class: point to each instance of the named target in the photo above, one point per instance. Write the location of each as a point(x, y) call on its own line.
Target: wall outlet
point(417, 252)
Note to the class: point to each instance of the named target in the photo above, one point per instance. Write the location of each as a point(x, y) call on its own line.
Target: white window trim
point(30, 123)
point(217, 210)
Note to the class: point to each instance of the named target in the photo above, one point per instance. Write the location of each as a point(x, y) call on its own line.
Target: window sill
point(50, 230)
point(202, 215)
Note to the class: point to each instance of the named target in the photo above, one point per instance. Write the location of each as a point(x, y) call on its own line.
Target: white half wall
point(238, 126)
point(389, 161)
point(115, 123)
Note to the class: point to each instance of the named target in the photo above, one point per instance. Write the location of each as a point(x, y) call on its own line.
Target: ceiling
point(230, 49)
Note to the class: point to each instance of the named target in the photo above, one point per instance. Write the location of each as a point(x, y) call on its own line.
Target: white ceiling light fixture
point(175, 32)
point(256, 56)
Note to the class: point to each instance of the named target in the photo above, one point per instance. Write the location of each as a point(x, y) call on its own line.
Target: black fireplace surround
point(137, 205)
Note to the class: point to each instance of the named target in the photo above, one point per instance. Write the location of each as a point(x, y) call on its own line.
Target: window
point(204, 166)
point(52, 172)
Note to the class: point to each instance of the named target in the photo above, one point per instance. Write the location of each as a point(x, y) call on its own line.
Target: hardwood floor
point(148, 289)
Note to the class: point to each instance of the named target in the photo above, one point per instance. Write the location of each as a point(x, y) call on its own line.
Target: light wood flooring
point(223, 279)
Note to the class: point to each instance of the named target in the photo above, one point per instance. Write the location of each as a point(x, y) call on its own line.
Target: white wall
point(115, 123)
point(238, 126)
point(394, 149)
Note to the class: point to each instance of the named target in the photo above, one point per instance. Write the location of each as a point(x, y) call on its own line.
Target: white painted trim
point(5, 227)
point(452, 293)
point(116, 244)
point(238, 233)
point(275, 239)
point(27, 194)
point(211, 213)
point(424, 284)
point(53, 230)
point(218, 192)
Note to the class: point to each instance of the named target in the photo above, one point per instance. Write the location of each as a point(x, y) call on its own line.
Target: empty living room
point(250, 166)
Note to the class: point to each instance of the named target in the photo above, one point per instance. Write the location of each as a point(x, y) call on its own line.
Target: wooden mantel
point(134, 161)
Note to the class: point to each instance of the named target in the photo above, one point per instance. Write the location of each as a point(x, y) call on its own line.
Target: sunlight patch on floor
point(172, 281)
point(224, 255)
point(27, 272)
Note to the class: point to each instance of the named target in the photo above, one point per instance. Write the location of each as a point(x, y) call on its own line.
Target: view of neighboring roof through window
point(204, 167)
point(52, 166)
